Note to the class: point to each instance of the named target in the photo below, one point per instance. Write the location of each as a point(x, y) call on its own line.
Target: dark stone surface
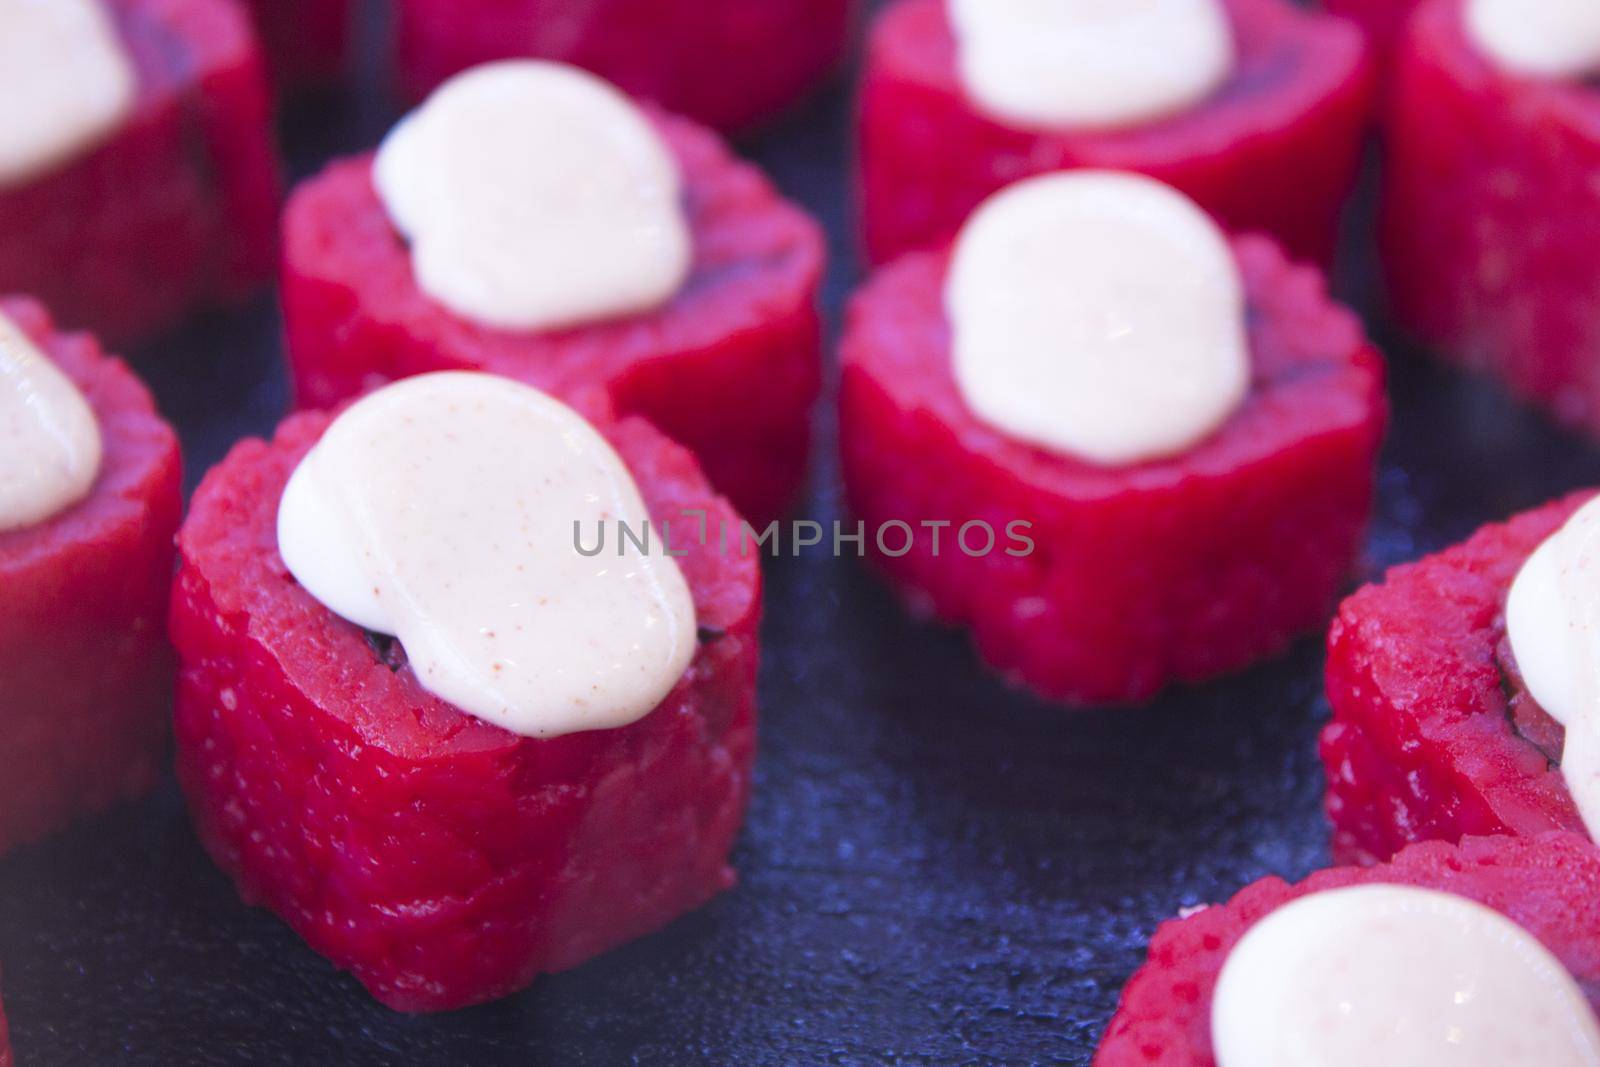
point(934, 870)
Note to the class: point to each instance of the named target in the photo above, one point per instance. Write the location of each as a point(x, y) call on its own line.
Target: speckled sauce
point(448, 510)
point(935, 869)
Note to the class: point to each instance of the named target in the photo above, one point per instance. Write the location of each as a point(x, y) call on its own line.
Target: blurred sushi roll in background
point(729, 64)
point(723, 354)
point(1254, 108)
point(87, 516)
point(1491, 211)
point(141, 183)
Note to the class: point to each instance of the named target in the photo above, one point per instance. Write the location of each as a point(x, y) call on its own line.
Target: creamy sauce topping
point(1391, 975)
point(1090, 63)
point(49, 437)
point(66, 79)
point(1553, 622)
point(441, 510)
point(1098, 314)
point(1548, 38)
point(536, 197)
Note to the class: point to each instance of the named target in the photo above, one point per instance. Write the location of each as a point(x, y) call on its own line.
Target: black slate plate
point(934, 869)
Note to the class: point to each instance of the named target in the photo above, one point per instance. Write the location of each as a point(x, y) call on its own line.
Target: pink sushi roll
point(172, 203)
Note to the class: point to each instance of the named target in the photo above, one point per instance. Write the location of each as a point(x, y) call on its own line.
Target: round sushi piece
point(1434, 735)
point(1274, 149)
point(730, 366)
point(1179, 569)
point(730, 64)
point(307, 41)
point(1549, 886)
point(1491, 237)
point(442, 860)
point(177, 207)
point(85, 669)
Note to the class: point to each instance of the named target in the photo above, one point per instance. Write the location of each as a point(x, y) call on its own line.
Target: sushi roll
point(1436, 732)
point(1163, 441)
point(90, 494)
point(1255, 108)
point(149, 185)
point(307, 41)
point(1490, 215)
point(429, 715)
point(729, 64)
point(687, 287)
point(1484, 953)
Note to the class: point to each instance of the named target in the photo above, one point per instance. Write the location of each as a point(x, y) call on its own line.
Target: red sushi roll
point(730, 366)
point(1274, 149)
point(85, 669)
point(441, 859)
point(177, 206)
point(1489, 228)
point(1434, 735)
point(729, 64)
point(1171, 570)
point(1546, 886)
point(307, 41)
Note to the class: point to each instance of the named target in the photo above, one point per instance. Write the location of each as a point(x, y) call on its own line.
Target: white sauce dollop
point(1553, 622)
point(536, 197)
point(1381, 974)
point(66, 79)
point(1543, 38)
point(1090, 63)
point(49, 438)
point(441, 510)
point(1098, 314)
